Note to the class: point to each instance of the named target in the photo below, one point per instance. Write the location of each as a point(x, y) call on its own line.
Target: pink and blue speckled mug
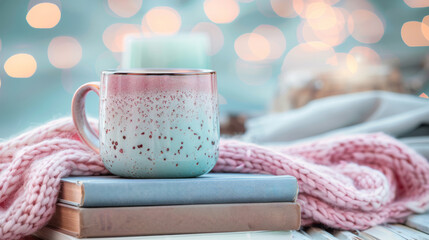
point(153, 123)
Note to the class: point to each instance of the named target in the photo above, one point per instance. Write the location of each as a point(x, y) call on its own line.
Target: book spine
point(183, 193)
point(103, 222)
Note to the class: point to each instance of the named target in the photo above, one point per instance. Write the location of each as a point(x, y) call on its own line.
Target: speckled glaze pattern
point(159, 126)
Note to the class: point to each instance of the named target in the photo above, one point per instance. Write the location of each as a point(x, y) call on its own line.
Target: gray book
point(212, 188)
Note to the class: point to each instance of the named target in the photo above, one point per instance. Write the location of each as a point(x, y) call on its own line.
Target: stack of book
point(109, 206)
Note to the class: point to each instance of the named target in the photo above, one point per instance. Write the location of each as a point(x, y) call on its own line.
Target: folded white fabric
point(392, 113)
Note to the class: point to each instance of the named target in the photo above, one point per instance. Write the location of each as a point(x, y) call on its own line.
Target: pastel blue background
point(47, 94)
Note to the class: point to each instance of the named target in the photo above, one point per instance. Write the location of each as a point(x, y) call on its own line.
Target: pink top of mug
point(146, 80)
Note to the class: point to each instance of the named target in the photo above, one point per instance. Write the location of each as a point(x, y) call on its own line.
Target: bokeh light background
point(49, 48)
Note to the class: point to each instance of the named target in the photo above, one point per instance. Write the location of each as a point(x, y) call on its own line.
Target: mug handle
point(85, 131)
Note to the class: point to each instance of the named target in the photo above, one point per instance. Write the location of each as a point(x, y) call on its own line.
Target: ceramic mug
point(153, 123)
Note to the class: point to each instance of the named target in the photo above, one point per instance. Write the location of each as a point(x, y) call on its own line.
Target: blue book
point(212, 188)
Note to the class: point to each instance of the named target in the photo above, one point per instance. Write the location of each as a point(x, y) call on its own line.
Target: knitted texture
point(348, 182)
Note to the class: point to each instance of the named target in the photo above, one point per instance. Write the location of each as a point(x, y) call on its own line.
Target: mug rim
point(159, 71)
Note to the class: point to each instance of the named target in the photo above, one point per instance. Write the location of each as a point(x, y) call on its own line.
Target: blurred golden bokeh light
point(333, 37)
point(125, 8)
point(114, 35)
point(413, 34)
point(352, 65)
point(324, 23)
point(283, 8)
point(309, 8)
point(425, 28)
point(162, 20)
point(214, 33)
point(343, 62)
point(299, 7)
point(417, 3)
point(64, 52)
point(221, 11)
point(275, 38)
point(365, 26)
point(332, 19)
point(320, 16)
point(259, 46)
point(365, 55)
point(21, 65)
point(44, 15)
point(252, 47)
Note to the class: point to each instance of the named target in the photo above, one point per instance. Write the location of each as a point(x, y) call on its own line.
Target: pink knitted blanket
point(350, 182)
